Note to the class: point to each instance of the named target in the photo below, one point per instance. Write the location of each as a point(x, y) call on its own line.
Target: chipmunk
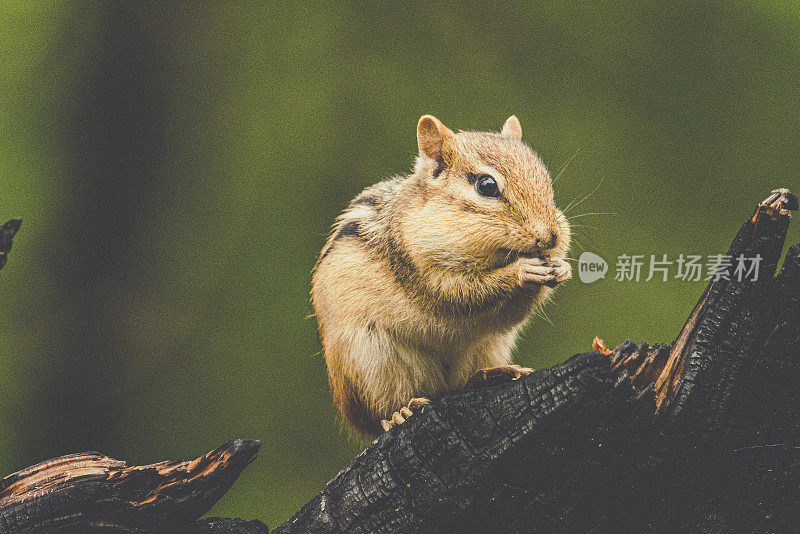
point(428, 278)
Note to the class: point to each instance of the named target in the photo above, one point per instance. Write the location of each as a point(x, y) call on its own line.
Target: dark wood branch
point(698, 435)
point(727, 325)
point(7, 233)
point(89, 492)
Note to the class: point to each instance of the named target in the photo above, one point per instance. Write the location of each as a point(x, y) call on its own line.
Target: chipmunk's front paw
point(398, 418)
point(535, 271)
point(562, 271)
point(505, 372)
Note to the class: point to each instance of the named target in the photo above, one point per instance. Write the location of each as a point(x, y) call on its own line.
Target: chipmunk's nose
point(544, 237)
point(550, 242)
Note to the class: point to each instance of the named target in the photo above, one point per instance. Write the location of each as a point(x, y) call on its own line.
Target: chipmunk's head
point(484, 198)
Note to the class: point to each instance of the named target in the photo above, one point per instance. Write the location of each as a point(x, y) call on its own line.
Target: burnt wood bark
point(698, 435)
point(89, 492)
point(7, 233)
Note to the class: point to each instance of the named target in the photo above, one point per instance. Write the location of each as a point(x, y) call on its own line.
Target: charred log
point(7, 233)
point(89, 492)
point(698, 435)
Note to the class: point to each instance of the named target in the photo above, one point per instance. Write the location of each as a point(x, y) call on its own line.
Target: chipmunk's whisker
point(574, 204)
point(540, 313)
point(579, 215)
point(577, 242)
point(566, 164)
point(587, 236)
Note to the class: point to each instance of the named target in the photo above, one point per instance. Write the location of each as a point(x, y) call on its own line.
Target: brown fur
point(423, 281)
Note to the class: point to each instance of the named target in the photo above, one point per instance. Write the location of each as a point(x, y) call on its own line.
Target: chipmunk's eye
point(486, 186)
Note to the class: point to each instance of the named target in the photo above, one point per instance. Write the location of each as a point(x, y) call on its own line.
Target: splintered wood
point(88, 489)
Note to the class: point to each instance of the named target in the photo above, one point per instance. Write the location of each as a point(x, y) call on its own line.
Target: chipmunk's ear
point(512, 128)
point(435, 140)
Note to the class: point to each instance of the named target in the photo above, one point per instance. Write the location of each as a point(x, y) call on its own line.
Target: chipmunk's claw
point(562, 271)
point(399, 417)
point(507, 372)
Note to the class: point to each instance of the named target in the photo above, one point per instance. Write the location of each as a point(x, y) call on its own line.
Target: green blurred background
point(178, 168)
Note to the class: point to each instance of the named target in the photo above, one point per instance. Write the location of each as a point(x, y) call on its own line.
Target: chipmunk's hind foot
point(399, 417)
point(495, 375)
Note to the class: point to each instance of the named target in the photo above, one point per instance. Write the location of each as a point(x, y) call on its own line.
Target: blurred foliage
point(676, 117)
